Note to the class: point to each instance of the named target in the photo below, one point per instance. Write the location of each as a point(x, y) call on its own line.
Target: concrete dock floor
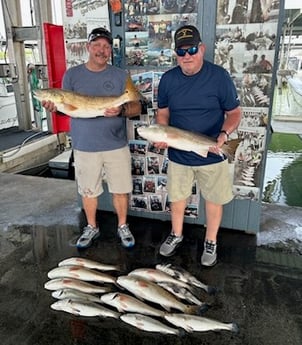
point(259, 277)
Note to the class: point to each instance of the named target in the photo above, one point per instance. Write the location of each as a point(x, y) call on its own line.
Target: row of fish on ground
point(83, 287)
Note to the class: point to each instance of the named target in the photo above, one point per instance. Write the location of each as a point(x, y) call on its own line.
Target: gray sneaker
point(171, 243)
point(89, 234)
point(209, 255)
point(126, 236)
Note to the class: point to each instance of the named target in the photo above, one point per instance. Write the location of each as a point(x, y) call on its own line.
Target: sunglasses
point(191, 51)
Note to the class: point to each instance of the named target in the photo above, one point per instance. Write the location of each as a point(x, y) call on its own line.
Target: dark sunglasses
point(191, 51)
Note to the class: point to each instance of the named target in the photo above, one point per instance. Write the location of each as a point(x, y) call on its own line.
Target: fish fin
point(69, 107)
point(166, 308)
point(202, 153)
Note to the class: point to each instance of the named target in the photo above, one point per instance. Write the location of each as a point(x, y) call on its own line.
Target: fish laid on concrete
point(75, 295)
point(183, 275)
point(147, 323)
point(181, 293)
point(125, 303)
point(78, 105)
point(83, 308)
point(194, 323)
point(89, 264)
point(150, 291)
point(185, 140)
point(80, 273)
point(157, 276)
point(70, 283)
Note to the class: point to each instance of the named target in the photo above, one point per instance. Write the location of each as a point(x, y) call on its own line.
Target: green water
point(283, 181)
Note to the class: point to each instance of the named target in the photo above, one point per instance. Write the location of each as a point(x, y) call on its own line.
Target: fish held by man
point(82, 106)
point(83, 308)
point(185, 140)
point(76, 261)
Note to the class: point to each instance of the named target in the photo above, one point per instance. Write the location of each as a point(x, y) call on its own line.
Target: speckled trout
point(79, 105)
point(185, 140)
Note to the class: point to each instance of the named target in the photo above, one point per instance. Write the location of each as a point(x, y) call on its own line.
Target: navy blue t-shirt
point(197, 103)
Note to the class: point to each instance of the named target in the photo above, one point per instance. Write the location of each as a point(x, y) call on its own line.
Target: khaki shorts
point(93, 167)
point(213, 180)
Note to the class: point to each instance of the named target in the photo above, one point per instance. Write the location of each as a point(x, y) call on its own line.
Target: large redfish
point(185, 140)
point(78, 105)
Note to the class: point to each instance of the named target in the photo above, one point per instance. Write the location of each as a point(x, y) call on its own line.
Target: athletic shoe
point(89, 234)
point(126, 236)
point(209, 256)
point(171, 243)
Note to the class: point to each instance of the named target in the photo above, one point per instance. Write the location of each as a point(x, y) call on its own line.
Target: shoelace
point(125, 231)
point(171, 239)
point(210, 247)
point(88, 231)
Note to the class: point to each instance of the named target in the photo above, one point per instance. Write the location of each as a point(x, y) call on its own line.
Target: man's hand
point(111, 112)
point(49, 106)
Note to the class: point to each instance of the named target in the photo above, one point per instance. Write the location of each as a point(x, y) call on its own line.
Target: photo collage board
point(246, 33)
point(149, 30)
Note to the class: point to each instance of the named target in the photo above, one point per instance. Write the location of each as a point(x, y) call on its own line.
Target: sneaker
point(209, 255)
point(89, 234)
point(171, 243)
point(126, 236)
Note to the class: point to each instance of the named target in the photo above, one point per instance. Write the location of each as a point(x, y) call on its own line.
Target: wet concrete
point(259, 276)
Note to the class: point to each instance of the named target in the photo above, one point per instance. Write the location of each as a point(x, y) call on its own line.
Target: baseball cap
point(100, 33)
point(187, 35)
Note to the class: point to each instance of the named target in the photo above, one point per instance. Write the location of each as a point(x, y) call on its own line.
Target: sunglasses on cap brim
point(182, 52)
point(92, 37)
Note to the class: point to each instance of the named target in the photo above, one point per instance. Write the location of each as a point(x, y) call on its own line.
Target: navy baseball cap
point(187, 35)
point(100, 33)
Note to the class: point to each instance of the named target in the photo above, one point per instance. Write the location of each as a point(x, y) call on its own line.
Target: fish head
point(61, 304)
point(57, 293)
point(108, 297)
point(53, 95)
point(153, 133)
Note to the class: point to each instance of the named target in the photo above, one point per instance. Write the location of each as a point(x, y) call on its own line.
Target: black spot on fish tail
point(203, 308)
point(196, 309)
point(212, 290)
point(235, 328)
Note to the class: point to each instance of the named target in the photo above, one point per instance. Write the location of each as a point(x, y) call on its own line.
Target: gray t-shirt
point(101, 133)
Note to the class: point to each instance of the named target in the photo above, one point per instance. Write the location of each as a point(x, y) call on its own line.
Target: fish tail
point(235, 327)
point(196, 309)
point(211, 290)
point(230, 148)
point(132, 91)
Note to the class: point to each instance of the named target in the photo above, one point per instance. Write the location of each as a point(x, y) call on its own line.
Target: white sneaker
point(126, 236)
point(209, 256)
point(169, 246)
point(89, 234)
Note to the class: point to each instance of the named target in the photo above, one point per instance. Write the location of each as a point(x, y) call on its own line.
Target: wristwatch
point(225, 132)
